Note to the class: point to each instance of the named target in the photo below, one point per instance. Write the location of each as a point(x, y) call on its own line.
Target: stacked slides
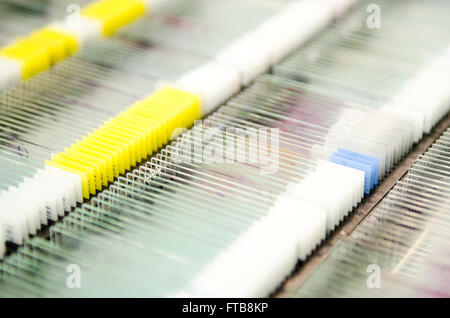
point(191, 223)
